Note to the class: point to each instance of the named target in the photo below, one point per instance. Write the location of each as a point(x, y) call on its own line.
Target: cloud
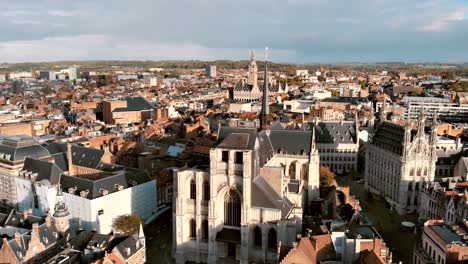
point(300, 31)
point(25, 22)
point(63, 13)
point(444, 22)
point(85, 47)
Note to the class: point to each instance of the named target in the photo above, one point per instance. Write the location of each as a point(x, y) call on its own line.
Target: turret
point(421, 122)
point(61, 213)
point(383, 109)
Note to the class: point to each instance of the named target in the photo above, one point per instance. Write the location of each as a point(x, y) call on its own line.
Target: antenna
point(266, 53)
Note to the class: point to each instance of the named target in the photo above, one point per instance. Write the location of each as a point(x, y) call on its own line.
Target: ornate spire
point(265, 107)
point(421, 121)
point(313, 147)
point(252, 56)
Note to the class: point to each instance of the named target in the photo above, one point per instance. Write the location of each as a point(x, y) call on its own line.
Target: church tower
point(313, 182)
point(265, 98)
point(253, 71)
point(61, 213)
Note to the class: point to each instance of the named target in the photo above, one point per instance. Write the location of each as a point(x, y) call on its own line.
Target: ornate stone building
point(248, 90)
point(400, 160)
point(249, 202)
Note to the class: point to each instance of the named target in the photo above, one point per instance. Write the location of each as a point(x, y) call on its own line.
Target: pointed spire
point(421, 121)
point(313, 147)
point(265, 106)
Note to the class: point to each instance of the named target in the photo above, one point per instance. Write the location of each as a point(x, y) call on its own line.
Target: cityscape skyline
point(297, 31)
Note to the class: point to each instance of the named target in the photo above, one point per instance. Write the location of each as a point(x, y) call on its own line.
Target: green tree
point(326, 176)
point(127, 224)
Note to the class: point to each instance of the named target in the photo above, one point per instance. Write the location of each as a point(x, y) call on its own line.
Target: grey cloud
point(301, 30)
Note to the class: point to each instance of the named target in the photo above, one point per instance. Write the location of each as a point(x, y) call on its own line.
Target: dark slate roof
point(86, 157)
point(108, 181)
point(45, 170)
point(336, 132)
point(60, 159)
point(344, 99)
point(82, 156)
point(56, 147)
point(389, 136)
point(224, 132)
point(266, 150)
point(290, 141)
point(235, 141)
point(131, 243)
point(445, 233)
point(135, 104)
point(19, 148)
point(298, 141)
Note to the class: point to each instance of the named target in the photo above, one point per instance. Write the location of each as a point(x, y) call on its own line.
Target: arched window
point(232, 209)
point(193, 190)
point(193, 229)
point(292, 170)
point(206, 191)
point(272, 241)
point(204, 228)
point(257, 236)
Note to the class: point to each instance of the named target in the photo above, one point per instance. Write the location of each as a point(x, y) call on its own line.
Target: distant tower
point(265, 106)
point(253, 70)
point(61, 214)
point(383, 109)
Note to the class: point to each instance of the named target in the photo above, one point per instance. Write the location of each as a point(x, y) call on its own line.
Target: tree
point(326, 176)
point(127, 224)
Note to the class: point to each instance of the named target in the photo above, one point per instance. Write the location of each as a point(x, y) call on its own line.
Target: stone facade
point(400, 161)
point(250, 201)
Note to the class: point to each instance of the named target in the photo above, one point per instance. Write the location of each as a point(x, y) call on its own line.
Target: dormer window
point(103, 192)
point(84, 193)
point(72, 190)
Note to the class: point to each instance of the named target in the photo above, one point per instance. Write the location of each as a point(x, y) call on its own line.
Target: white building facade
point(399, 162)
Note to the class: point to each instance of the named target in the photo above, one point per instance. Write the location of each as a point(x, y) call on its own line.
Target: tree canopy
point(326, 176)
point(127, 224)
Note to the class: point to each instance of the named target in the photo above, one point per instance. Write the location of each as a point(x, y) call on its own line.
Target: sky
point(296, 31)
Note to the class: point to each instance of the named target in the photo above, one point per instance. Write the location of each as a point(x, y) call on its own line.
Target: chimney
point(127, 250)
point(35, 229)
point(71, 169)
point(18, 238)
point(48, 219)
point(25, 214)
